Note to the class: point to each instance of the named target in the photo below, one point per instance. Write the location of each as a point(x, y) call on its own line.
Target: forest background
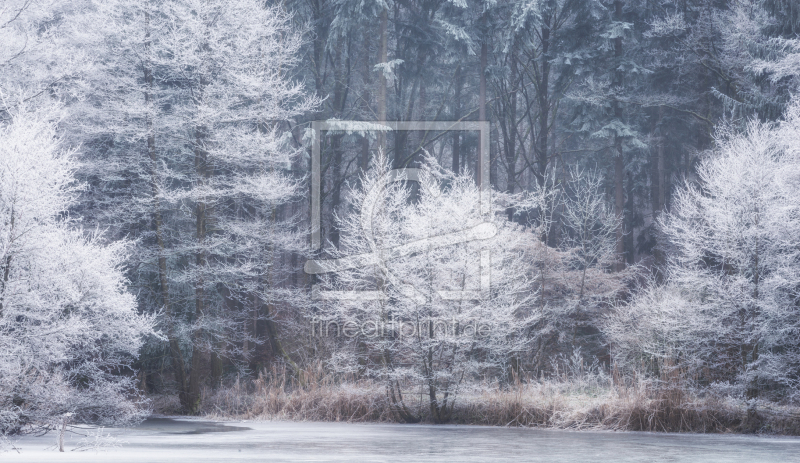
point(643, 160)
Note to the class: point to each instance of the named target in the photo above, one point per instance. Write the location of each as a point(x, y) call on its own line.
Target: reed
point(587, 401)
point(276, 395)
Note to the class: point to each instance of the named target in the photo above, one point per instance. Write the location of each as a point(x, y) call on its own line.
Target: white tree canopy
point(730, 305)
point(443, 291)
point(69, 329)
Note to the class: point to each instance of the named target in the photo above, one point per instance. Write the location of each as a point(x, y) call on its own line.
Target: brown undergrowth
point(561, 403)
point(276, 395)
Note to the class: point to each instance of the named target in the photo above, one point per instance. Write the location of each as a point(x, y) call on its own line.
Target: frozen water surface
point(169, 440)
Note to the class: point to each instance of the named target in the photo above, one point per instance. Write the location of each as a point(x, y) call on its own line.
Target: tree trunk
point(384, 57)
point(619, 204)
point(200, 264)
point(337, 177)
point(630, 245)
point(659, 193)
point(459, 82)
point(363, 162)
point(176, 356)
point(277, 345)
point(619, 162)
point(7, 264)
point(542, 154)
point(510, 149)
point(481, 110)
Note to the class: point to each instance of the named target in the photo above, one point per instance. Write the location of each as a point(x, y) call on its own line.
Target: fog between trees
point(156, 181)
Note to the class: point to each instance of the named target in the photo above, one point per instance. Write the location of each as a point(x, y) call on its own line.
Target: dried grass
point(563, 406)
point(567, 402)
point(274, 395)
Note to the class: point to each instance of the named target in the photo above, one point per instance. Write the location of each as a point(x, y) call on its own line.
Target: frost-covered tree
point(726, 58)
point(184, 117)
point(69, 329)
point(728, 311)
point(590, 228)
point(35, 35)
point(428, 292)
point(575, 281)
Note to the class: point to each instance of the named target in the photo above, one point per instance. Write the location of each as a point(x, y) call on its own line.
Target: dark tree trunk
point(482, 109)
point(201, 259)
point(542, 154)
point(175, 354)
point(459, 82)
point(619, 161)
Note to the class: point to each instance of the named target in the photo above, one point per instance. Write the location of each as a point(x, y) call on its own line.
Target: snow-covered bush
point(98, 440)
point(69, 329)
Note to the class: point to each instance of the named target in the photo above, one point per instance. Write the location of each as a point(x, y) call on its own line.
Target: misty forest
point(555, 213)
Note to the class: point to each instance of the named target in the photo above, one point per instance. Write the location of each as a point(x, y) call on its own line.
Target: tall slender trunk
point(202, 173)
point(511, 145)
point(363, 162)
point(201, 259)
point(176, 357)
point(630, 246)
point(339, 102)
point(619, 203)
point(543, 94)
point(382, 84)
point(482, 109)
point(659, 191)
point(215, 377)
point(337, 179)
point(619, 162)
point(201, 210)
point(459, 82)
point(269, 310)
point(7, 264)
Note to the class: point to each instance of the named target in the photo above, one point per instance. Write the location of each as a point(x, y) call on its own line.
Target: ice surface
point(167, 440)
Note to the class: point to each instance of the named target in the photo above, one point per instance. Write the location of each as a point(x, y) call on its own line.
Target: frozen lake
point(168, 440)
